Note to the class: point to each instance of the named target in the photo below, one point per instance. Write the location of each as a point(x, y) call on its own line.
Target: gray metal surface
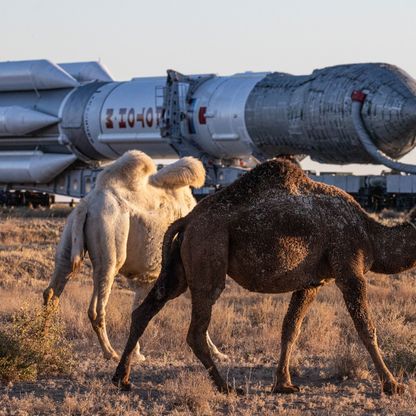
point(222, 132)
point(348, 183)
point(33, 75)
point(127, 115)
point(72, 124)
point(16, 120)
point(32, 167)
point(87, 71)
point(401, 184)
point(312, 114)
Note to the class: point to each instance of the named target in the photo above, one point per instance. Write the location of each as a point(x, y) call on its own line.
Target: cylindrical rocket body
point(226, 117)
point(123, 116)
point(98, 120)
point(217, 115)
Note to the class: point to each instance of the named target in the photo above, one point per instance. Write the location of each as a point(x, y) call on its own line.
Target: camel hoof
point(126, 386)
point(123, 386)
point(140, 358)
point(221, 357)
point(112, 356)
point(227, 389)
point(392, 387)
point(286, 389)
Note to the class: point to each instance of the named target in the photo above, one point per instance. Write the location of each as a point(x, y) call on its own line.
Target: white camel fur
point(121, 224)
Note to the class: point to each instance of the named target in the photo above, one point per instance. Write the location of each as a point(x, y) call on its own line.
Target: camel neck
point(394, 247)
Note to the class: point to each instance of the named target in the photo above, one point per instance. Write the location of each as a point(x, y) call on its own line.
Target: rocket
point(59, 123)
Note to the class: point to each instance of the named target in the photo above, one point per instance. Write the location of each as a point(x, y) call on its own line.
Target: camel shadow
point(254, 380)
point(150, 381)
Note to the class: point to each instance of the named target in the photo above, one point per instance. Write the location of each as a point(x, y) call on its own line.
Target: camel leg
point(205, 269)
point(354, 290)
point(197, 338)
point(167, 287)
point(215, 351)
point(103, 281)
point(299, 304)
point(141, 291)
point(106, 241)
point(140, 294)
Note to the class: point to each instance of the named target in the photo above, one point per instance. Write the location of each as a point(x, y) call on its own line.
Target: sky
point(141, 38)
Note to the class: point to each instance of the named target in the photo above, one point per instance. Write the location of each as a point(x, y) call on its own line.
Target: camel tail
point(69, 255)
point(77, 236)
point(174, 229)
point(171, 277)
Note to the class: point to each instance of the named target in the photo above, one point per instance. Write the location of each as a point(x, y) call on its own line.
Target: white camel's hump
point(128, 169)
point(187, 171)
point(135, 166)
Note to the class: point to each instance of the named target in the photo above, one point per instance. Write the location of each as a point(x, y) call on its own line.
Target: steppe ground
point(329, 362)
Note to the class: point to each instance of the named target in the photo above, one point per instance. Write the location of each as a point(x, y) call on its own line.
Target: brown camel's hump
point(281, 175)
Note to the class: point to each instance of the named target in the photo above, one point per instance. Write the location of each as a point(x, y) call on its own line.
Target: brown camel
point(275, 230)
point(121, 224)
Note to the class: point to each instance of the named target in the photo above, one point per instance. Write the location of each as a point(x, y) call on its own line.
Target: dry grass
point(32, 345)
point(329, 362)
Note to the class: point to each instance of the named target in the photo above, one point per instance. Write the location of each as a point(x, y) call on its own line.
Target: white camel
point(121, 224)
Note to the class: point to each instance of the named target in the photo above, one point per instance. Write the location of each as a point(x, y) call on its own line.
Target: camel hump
point(127, 169)
point(276, 174)
point(281, 173)
point(187, 171)
point(281, 167)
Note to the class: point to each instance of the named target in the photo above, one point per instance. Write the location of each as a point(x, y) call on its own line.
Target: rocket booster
point(358, 113)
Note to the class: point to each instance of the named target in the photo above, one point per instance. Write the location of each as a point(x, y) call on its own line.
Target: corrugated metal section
point(288, 114)
point(401, 184)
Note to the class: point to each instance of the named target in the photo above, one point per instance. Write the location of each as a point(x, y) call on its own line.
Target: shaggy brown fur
point(274, 231)
point(121, 224)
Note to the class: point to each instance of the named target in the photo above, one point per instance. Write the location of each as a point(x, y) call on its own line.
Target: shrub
point(32, 345)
